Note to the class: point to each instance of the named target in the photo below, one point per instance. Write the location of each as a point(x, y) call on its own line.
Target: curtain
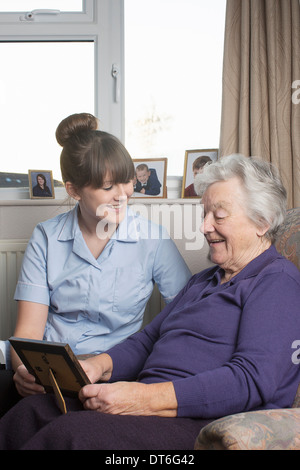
point(260, 109)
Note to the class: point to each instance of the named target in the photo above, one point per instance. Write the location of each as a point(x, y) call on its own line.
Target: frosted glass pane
point(40, 84)
point(29, 5)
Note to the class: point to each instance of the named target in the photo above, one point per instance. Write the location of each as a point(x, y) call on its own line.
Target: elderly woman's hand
point(131, 398)
point(98, 368)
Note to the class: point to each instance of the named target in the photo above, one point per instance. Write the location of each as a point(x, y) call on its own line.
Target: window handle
point(115, 71)
point(30, 15)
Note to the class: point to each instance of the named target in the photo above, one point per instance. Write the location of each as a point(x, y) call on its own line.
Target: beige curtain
point(261, 65)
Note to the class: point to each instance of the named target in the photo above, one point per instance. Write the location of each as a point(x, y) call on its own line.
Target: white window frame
point(44, 16)
point(107, 32)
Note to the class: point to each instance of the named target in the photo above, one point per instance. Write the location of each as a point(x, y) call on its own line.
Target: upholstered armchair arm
point(257, 430)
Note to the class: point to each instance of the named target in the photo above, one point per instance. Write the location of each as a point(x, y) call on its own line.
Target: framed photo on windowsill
point(41, 184)
point(150, 177)
point(194, 161)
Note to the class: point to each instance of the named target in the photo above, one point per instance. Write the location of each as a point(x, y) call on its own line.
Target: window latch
point(115, 72)
point(31, 15)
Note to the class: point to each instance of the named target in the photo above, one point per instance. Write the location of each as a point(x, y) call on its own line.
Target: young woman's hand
point(25, 382)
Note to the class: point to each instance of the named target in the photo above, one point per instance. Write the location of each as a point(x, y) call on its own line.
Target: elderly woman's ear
point(261, 231)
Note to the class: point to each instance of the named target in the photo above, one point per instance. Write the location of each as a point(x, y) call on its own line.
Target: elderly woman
point(222, 346)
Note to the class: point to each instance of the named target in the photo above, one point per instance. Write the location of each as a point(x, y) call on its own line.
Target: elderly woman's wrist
point(98, 367)
point(162, 399)
point(103, 367)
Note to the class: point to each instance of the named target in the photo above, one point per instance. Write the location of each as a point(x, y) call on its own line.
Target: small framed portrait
point(150, 177)
point(41, 184)
point(194, 162)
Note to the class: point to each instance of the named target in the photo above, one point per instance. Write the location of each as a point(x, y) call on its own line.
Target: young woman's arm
point(31, 323)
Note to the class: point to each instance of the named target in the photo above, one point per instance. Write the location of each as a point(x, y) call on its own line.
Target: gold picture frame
point(190, 161)
point(151, 177)
point(41, 185)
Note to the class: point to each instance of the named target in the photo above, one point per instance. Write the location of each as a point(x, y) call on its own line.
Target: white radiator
point(11, 255)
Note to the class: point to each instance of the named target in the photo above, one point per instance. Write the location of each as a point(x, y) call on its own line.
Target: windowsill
point(68, 202)
point(20, 196)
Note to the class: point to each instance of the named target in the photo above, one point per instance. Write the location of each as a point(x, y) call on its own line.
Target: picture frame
point(191, 161)
point(40, 356)
point(41, 185)
point(151, 177)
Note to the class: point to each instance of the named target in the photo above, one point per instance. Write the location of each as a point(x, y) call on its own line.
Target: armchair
point(277, 429)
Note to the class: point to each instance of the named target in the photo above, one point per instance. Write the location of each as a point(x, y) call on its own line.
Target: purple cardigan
point(226, 347)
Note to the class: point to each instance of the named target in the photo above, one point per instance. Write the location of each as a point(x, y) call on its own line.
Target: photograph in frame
point(150, 177)
point(41, 184)
point(194, 161)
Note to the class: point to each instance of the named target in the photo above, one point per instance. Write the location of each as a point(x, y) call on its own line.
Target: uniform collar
point(128, 230)
point(70, 226)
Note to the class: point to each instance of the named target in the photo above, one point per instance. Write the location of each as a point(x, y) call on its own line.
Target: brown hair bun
point(73, 125)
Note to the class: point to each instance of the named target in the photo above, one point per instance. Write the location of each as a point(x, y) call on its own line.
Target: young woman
point(41, 189)
point(87, 274)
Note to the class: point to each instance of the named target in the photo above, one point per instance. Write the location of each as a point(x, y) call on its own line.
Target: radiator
point(11, 255)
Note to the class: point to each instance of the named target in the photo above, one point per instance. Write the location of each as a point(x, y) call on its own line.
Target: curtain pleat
point(261, 62)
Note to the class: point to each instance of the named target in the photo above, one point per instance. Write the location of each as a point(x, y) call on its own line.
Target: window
point(57, 63)
point(51, 69)
point(29, 5)
point(173, 81)
point(46, 10)
point(40, 84)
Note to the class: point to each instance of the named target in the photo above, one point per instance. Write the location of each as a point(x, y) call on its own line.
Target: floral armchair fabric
point(277, 429)
point(254, 430)
point(288, 237)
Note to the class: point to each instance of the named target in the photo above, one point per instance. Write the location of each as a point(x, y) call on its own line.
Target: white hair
point(265, 195)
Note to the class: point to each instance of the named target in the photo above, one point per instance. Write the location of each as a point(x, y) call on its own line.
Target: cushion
point(288, 237)
point(254, 430)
